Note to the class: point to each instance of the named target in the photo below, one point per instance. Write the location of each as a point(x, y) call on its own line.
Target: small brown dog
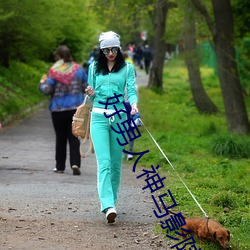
point(207, 229)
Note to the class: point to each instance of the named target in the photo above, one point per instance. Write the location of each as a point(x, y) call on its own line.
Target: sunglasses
point(106, 51)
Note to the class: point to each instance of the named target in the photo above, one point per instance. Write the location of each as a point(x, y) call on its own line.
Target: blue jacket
point(65, 97)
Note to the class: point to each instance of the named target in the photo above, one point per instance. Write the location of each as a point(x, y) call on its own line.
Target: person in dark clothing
point(65, 83)
point(147, 54)
point(138, 55)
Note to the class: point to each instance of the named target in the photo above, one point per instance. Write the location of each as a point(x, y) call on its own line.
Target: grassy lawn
point(214, 164)
point(19, 88)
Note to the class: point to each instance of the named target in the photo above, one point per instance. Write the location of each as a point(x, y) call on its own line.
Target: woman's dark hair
point(63, 52)
point(102, 67)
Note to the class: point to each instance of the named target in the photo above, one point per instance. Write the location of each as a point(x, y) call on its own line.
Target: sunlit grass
point(19, 87)
point(219, 182)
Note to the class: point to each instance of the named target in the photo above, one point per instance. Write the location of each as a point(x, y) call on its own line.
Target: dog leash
point(174, 170)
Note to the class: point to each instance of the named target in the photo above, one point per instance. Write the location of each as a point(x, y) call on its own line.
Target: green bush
point(224, 200)
point(231, 146)
point(19, 87)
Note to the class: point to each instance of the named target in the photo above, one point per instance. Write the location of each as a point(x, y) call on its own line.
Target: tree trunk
point(201, 99)
point(233, 97)
point(159, 47)
point(223, 38)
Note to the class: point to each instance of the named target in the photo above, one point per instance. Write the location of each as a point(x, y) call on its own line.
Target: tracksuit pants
point(108, 155)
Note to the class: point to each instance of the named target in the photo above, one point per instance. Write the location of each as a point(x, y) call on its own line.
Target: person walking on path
point(65, 84)
point(147, 54)
point(109, 75)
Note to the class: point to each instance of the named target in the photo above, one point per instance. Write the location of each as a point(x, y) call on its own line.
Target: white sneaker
point(58, 171)
point(111, 214)
point(129, 157)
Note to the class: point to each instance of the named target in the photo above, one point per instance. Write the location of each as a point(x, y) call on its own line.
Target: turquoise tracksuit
point(107, 150)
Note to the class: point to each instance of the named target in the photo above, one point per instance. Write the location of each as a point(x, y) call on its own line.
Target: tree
point(128, 18)
point(159, 46)
point(241, 17)
point(28, 33)
point(201, 99)
point(23, 33)
point(223, 38)
point(242, 33)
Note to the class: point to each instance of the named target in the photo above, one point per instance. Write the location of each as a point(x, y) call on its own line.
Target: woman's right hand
point(90, 91)
point(134, 109)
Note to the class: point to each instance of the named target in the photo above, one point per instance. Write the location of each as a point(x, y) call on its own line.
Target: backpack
point(81, 125)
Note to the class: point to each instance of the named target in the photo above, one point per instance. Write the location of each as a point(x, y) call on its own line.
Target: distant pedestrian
point(147, 54)
point(111, 74)
point(65, 84)
point(93, 55)
point(138, 55)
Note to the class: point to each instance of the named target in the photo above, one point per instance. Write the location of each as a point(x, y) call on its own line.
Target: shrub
point(231, 146)
point(224, 200)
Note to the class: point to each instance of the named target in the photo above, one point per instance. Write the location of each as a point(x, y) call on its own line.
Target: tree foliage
point(33, 29)
point(126, 17)
point(241, 18)
point(242, 35)
point(28, 33)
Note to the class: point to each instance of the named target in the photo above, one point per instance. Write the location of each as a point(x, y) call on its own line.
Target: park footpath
point(40, 209)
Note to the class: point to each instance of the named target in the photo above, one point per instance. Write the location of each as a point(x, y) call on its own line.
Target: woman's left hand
point(134, 109)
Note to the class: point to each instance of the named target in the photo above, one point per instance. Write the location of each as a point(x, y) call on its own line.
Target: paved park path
point(40, 209)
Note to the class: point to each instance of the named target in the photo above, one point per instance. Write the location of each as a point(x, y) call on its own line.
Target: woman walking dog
point(109, 75)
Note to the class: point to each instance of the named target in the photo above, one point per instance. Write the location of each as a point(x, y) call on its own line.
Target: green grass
point(19, 87)
point(214, 164)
